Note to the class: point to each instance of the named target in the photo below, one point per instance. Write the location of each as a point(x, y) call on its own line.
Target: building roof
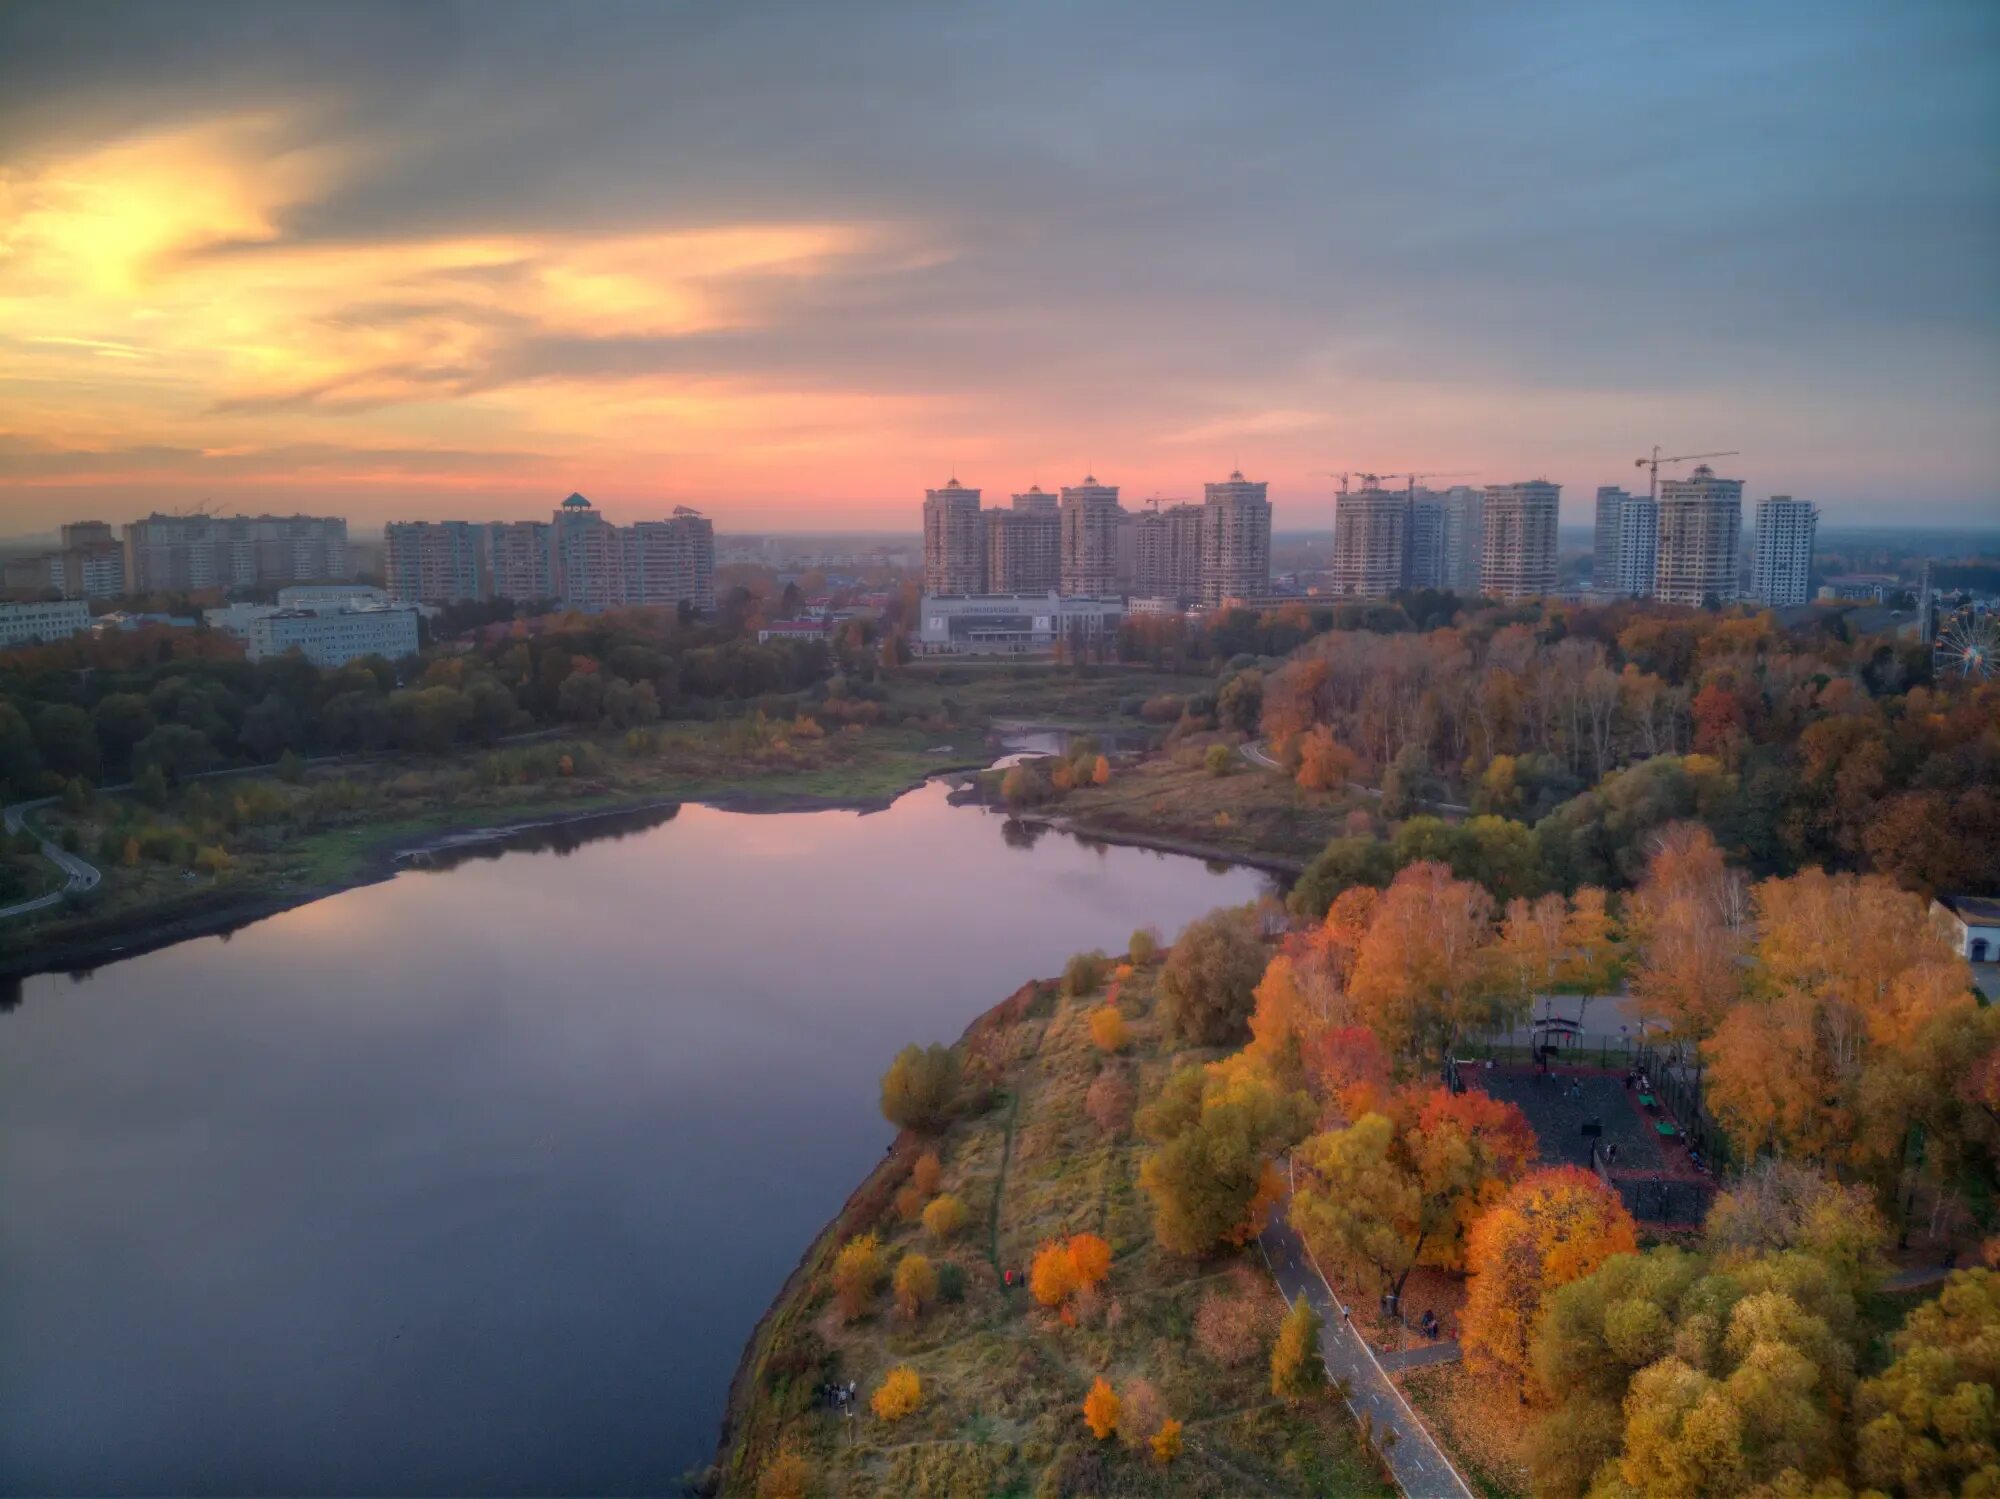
point(576, 502)
point(1974, 910)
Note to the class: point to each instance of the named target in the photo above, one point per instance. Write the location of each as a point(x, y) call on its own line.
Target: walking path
point(1420, 1357)
point(1253, 751)
point(81, 874)
point(1419, 1465)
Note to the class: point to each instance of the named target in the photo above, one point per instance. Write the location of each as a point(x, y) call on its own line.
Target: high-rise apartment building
point(670, 562)
point(1023, 549)
point(1039, 500)
point(1624, 543)
point(1464, 537)
point(433, 561)
point(519, 560)
point(589, 557)
point(1235, 540)
point(1370, 537)
point(181, 552)
point(1090, 519)
point(1423, 541)
point(1783, 572)
point(1167, 546)
point(954, 541)
point(1700, 528)
point(1520, 552)
point(91, 564)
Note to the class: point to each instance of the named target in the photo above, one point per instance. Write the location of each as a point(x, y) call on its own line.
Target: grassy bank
point(1003, 1377)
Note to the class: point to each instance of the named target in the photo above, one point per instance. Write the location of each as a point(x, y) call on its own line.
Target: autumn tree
point(1110, 1099)
point(916, 1284)
point(1397, 1189)
point(1166, 1442)
point(1083, 974)
point(1424, 974)
point(1210, 977)
point(1690, 917)
point(1929, 1424)
point(1108, 1031)
point(900, 1393)
point(1212, 1174)
point(1325, 764)
point(920, 1089)
point(1100, 1409)
point(1062, 1267)
point(857, 1272)
point(1783, 1205)
point(1552, 1227)
point(1347, 1073)
point(1530, 951)
point(945, 1217)
point(1297, 1370)
point(786, 1476)
point(1144, 947)
point(927, 1175)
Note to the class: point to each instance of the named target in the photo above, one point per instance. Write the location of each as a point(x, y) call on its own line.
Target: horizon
point(796, 267)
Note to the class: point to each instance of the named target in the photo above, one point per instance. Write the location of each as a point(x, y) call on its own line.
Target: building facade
point(1235, 539)
point(1519, 559)
point(519, 558)
point(1700, 529)
point(1013, 625)
point(334, 639)
point(1167, 551)
point(433, 562)
point(1423, 541)
point(954, 540)
point(1782, 573)
point(1370, 535)
point(55, 619)
point(1464, 537)
point(176, 553)
point(589, 558)
point(1625, 541)
point(670, 562)
point(1038, 501)
point(1090, 517)
point(1023, 549)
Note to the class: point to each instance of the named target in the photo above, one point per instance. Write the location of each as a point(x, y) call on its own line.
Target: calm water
point(476, 1181)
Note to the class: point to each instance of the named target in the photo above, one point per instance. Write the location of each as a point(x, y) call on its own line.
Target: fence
point(1679, 1088)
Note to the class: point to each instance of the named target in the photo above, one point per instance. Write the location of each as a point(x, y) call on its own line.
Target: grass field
point(1003, 1378)
point(1249, 809)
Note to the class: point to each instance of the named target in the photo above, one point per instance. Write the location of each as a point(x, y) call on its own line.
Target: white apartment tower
point(954, 541)
point(1625, 541)
point(1090, 518)
point(1168, 543)
point(1235, 540)
point(1520, 552)
point(589, 557)
point(1038, 501)
point(1370, 533)
point(1464, 537)
point(1023, 549)
point(1783, 571)
point(432, 561)
point(1700, 526)
point(670, 562)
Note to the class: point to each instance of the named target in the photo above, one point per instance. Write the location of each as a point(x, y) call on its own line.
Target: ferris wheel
point(1968, 645)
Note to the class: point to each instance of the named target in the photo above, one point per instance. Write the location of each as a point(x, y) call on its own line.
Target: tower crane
point(1654, 462)
point(1461, 473)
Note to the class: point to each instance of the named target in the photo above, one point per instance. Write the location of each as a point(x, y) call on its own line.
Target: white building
point(954, 540)
point(1235, 538)
point(1012, 624)
point(1973, 924)
point(323, 598)
point(1520, 553)
point(1700, 529)
point(1464, 537)
point(57, 619)
point(1783, 572)
point(1090, 532)
point(1370, 537)
point(334, 639)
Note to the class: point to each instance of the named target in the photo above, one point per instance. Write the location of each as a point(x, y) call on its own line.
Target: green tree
point(1339, 867)
point(122, 719)
point(1219, 760)
point(176, 751)
point(151, 787)
point(1208, 986)
point(920, 1089)
point(1216, 1132)
point(67, 739)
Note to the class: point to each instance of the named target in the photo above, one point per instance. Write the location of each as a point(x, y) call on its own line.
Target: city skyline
point(395, 262)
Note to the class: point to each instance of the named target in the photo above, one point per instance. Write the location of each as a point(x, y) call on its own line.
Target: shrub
point(909, 1202)
point(1218, 760)
point(928, 1173)
point(1208, 985)
point(916, 1285)
point(1063, 1267)
point(1144, 947)
point(785, 1476)
point(857, 1271)
point(1140, 1412)
point(1297, 1371)
point(1109, 1101)
point(1024, 786)
point(1083, 974)
point(898, 1394)
point(1100, 1409)
point(1167, 1441)
point(1108, 1029)
point(951, 1283)
point(920, 1088)
point(944, 1218)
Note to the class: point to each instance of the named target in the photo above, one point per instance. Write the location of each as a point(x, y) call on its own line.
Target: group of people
point(838, 1396)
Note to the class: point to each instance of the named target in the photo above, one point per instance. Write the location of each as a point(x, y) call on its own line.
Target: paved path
point(1253, 751)
point(1420, 1357)
point(1421, 1469)
point(81, 874)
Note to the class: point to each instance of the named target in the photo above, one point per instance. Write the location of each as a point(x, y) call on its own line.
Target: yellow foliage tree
point(1100, 1409)
point(1052, 1275)
point(1424, 973)
point(1108, 1029)
point(944, 1217)
point(785, 1476)
point(916, 1285)
point(857, 1271)
point(898, 1394)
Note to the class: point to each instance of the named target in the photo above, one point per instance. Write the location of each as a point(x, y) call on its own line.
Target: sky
point(792, 263)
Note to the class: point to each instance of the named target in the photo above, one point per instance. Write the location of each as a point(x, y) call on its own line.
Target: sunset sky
point(791, 263)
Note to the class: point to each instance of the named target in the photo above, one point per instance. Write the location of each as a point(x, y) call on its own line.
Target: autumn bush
point(909, 1202)
point(916, 1285)
point(1208, 984)
point(1108, 1030)
point(1083, 974)
point(1063, 1267)
point(1100, 1409)
point(1109, 1100)
point(786, 1476)
point(1297, 1370)
point(945, 1217)
point(857, 1274)
point(920, 1089)
point(900, 1393)
point(1166, 1443)
point(928, 1173)
point(1140, 1413)
point(1144, 948)
point(1325, 764)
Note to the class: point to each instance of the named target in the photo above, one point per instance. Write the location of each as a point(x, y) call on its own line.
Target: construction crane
point(1654, 462)
point(1463, 473)
point(1156, 501)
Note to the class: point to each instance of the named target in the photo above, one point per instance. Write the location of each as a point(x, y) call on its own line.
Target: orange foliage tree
point(1552, 1227)
point(1425, 974)
point(1691, 916)
point(1100, 1409)
point(1108, 1029)
point(1325, 764)
point(1062, 1267)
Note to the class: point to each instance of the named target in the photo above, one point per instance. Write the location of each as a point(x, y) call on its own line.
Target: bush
point(928, 1173)
point(1297, 1371)
point(785, 1476)
point(1108, 1029)
point(1207, 987)
point(1144, 948)
point(909, 1202)
point(1166, 1442)
point(898, 1395)
point(951, 1283)
point(916, 1285)
point(1024, 786)
point(945, 1217)
point(1100, 1409)
point(1140, 1413)
point(920, 1088)
point(1082, 974)
point(857, 1271)
point(1218, 760)
point(1110, 1101)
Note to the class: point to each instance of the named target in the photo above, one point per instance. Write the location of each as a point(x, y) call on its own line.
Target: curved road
point(82, 874)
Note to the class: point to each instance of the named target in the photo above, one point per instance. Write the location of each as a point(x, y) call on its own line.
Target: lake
point(477, 1180)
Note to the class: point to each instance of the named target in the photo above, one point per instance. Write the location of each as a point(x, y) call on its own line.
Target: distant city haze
point(796, 265)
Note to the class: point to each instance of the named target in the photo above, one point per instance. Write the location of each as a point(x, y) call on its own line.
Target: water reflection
point(477, 1183)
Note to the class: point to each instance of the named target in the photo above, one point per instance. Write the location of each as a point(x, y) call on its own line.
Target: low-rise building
point(1012, 624)
point(55, 619)
point(325, 598)
point(337, 638)
point(818, 630)
point(1973, 923)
